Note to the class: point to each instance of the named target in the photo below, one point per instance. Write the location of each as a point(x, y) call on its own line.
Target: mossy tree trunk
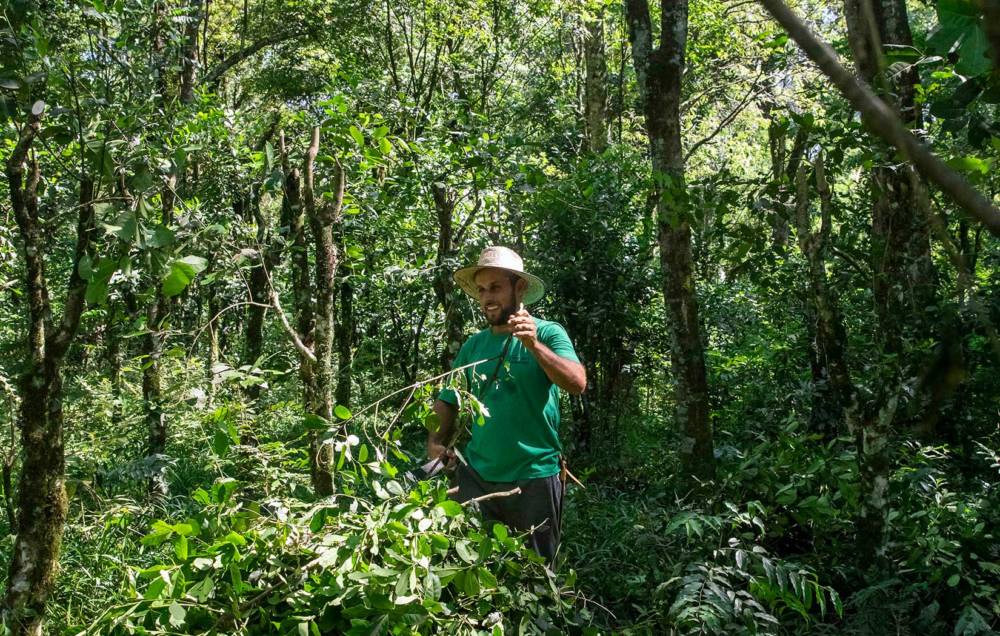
point(445, 201)
point(904, 274)
point(322, 218)
point(833, 391)
point(42, 503)
point(659, 72)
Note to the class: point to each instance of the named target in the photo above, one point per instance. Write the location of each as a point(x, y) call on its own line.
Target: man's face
point(498, 294)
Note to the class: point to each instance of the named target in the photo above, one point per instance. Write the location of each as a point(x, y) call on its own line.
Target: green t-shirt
point(520, 438)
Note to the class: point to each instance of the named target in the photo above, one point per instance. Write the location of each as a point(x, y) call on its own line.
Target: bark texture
point(444, 286)
point(42, 503)
point(152, 349)
point(345, 337)
point(322, 218)
point(903, 282)
point(595, 84)
point(833, 391)
point(659, 72)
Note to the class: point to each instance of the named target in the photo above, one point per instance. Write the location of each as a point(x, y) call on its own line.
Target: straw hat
point(505, 259)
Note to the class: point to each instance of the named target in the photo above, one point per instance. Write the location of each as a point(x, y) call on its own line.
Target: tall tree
point(42, 503)
point(833, 391)
point(445, 201)
point(904, 274)
point(659, 72)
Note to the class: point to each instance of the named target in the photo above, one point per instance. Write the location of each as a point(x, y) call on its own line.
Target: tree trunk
point(152, 380)
point(268, 256)
point(189, 52)
point(904, 273)
point(345, 335)
point(212, 357)
point(42, 503)
point(322, 219)
point(833, 391)
point(659, 73)
point(596, 85)
point(291, 211)
point(259, 294)
point(783, 173)
point(444, 286)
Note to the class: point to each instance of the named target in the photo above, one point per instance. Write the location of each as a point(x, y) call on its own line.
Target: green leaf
point(177, 614)
point(450, 508)
point(162, 237)
point(85, 268)
point(220, 443)
point(972, 55)
point(357, 136)
point(380, 132)
point(315, 422)
point(384, 146)
point(97, 292)
point(342, 412)
point(465, 551)
point(953, 580)
point(970, 165)
point(269, 153)
point(182, 272)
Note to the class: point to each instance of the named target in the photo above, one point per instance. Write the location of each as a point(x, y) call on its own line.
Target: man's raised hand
point(524, 328)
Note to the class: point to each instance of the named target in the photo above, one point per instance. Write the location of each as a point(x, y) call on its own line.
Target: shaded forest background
point(228, 230)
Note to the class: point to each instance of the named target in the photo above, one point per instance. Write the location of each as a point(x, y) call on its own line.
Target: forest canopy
point(228, 234)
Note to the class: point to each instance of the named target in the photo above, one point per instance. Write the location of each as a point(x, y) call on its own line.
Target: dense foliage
point(227, 235)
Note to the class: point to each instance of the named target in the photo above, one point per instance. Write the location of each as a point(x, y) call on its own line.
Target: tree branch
point(883, 121)
point(212, 77)
point(752, 92)
point(76, 288)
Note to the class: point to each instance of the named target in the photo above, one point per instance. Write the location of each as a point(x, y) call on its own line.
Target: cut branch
point(883, 121)
point(494, 495)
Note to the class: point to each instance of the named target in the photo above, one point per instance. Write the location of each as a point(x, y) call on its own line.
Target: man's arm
point(437, 440)
point(568, 375)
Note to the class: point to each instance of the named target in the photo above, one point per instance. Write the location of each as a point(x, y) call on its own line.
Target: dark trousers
point(538, 506)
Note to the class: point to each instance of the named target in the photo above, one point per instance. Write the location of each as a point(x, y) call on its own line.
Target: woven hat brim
point(466, 279)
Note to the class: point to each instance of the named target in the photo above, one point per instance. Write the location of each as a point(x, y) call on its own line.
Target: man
point(524, 363)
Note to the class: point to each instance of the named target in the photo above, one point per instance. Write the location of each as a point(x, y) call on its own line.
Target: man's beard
point(506, 312)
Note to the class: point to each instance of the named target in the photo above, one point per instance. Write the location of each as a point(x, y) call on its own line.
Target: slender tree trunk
point(258, 293)
point(189, 52)
point(596, 85)
point(322, 219)
point(152, 375)
point(269, 248)
point(42, 503)
point(904, 273)
point(833, 391)
point(444, 287)
point(291, 210)
point(783, 172)
point(345, 335)
point(659, 72)
point(212, 357)
point(113, 358)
